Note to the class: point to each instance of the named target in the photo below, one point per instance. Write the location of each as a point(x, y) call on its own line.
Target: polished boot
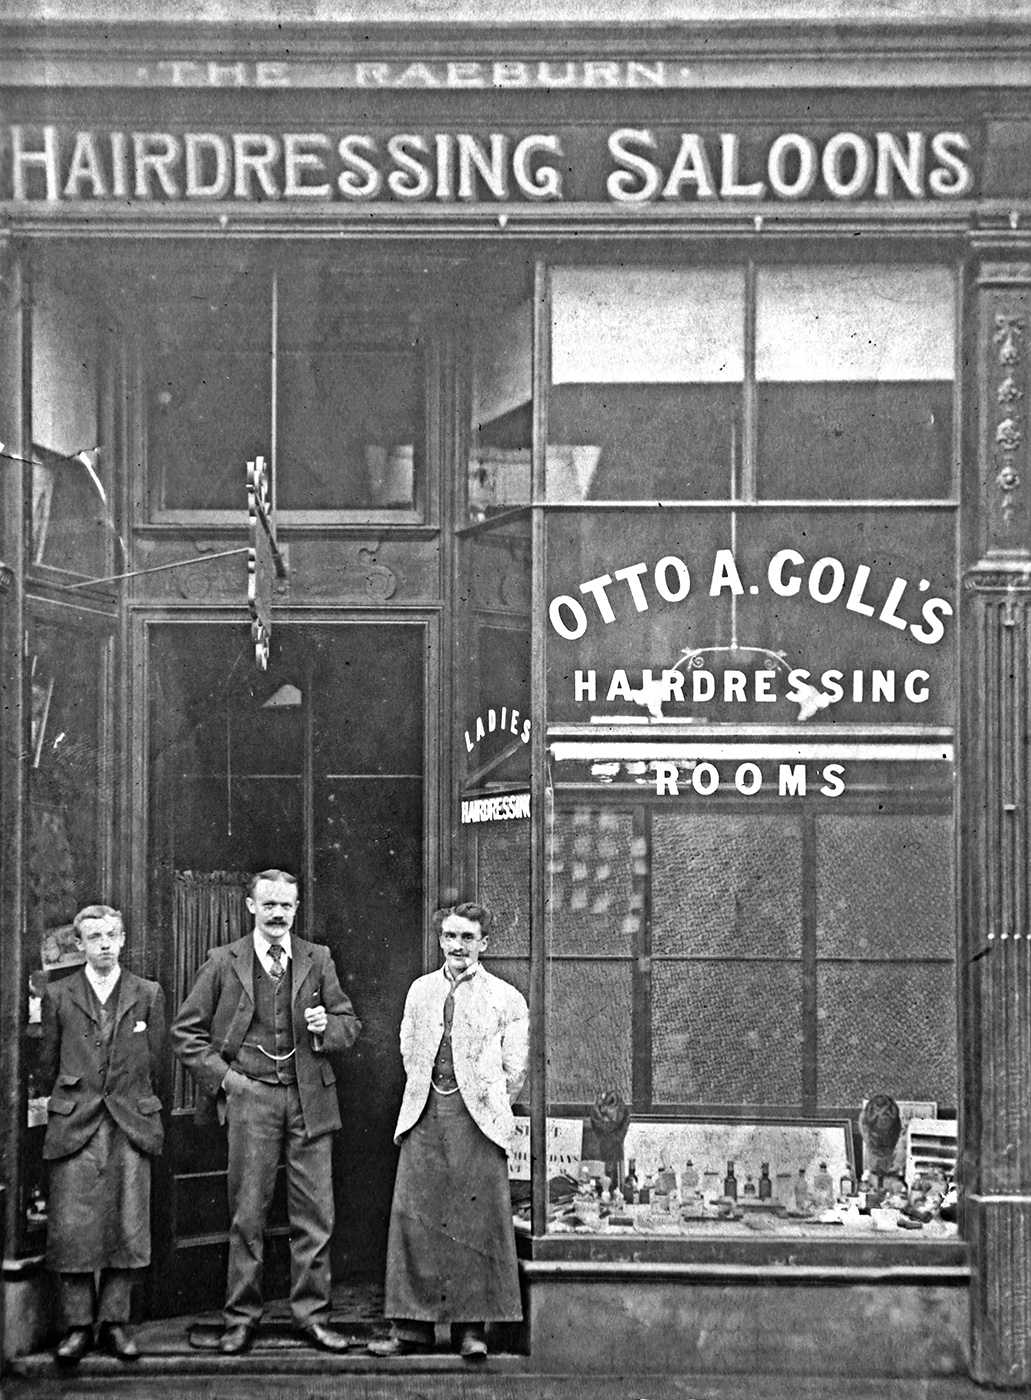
point(319, 1335)
point(113, 1338)
point(237, 1339)
point(398, 1346)
point(472, 1344)
point(74, 1345)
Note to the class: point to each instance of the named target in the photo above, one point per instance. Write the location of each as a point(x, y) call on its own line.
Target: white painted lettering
point(544, 182)
point(571, 631)
point(301, 155)
point(729, 186)
point(23, 160)
point(412, 179)
point(206, 149)
point(790, 148)
point(638, 179)
point(254, 154)
point(85, 166)
point(473, 160)
point(843, 149)
point(155, 152)
point(359, 178)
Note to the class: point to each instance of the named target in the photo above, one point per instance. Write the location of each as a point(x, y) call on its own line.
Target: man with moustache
point(451, 1248)
point(255, 1032)
point(102, 1036)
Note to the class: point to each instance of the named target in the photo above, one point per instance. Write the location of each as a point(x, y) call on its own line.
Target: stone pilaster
point(995, 856)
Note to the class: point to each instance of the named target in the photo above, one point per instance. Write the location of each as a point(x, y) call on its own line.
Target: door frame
point(154, 944)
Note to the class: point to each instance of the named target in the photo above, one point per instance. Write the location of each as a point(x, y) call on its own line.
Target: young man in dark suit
point(102, 1037)
point(255, 1033)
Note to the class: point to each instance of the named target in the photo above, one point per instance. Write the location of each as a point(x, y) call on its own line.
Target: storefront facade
point(645, 412)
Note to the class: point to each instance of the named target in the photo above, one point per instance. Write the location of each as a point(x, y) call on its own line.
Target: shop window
point(750, 962)
point(499, 457)
point(854, 369)
point(768, 383)
point(208, 390)
point(72, 519)
point(322, 377)
point(68, 836)
point(647, 367)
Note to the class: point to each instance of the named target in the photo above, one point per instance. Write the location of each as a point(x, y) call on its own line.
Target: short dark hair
point(283, 875)
point(475, 913)
point(97, 911)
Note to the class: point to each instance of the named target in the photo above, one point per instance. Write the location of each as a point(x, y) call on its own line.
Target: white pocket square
point(140, 1026)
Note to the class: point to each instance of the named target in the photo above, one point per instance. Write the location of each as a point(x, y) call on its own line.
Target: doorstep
point(166, 1350)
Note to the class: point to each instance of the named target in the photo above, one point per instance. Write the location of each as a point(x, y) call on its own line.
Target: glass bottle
point(765, 1184)
point(749, 1191)
point(689, 1180)
point(823, 1188)
point(801, 1192)
point(847, 1185)
point(630, 1187)
point(730, 1182)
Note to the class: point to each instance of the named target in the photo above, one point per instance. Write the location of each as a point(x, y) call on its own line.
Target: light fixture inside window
point(284, 698)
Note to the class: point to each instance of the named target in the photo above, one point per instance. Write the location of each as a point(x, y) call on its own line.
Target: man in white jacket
point(451, 1248)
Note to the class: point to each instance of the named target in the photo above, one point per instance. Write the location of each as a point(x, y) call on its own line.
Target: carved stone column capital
point(1004, 336)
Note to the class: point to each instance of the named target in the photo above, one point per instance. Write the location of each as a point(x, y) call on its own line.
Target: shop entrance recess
point(314, 766)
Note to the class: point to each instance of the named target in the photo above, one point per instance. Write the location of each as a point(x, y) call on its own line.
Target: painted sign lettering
point(631, 165)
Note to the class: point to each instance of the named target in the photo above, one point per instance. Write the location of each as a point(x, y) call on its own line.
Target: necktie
point(275, 952)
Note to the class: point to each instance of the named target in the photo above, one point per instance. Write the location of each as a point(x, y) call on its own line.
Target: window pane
point(727, 1034)
point(208, 386)
point(647, 365)
point(726, 886)
point(854, 368)
point(620, 325)
point(885, 887)
point(349, 391)
point(591, 883)
point(68, 780)
point(72, 521)
point(889, 1030)
point(502, 862)
point(349, 425)
point(499, 458)
point(589, 1031)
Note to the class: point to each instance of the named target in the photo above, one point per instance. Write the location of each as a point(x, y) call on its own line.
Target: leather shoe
point(236, 1340)
point(472, 1347)
point(115, 1339)
point(75, 1345)
point(396, 1346)
point(319, 1335)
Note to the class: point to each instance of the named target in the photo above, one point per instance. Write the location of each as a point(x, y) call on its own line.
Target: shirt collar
point(263, 944)
point(470, 972)
point(102, 985)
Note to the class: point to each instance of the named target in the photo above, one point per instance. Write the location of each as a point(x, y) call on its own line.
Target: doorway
point(315, 766)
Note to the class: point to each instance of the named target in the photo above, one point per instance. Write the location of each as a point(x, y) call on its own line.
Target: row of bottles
point(788, 1191)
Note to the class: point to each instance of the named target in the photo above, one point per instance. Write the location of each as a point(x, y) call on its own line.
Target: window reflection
point(647, 368)
point(854, 368)
point(71, 476)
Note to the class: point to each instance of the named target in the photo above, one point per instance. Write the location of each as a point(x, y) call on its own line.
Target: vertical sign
point(264, 560)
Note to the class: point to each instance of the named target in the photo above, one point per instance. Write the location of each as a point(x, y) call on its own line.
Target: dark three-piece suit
point(238, 1017)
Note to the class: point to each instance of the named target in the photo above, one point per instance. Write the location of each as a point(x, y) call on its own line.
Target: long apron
point(451, 1247)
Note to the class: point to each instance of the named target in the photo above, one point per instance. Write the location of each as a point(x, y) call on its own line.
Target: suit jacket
point(489, 1041)
point(71, 1059)
point(213, 1022)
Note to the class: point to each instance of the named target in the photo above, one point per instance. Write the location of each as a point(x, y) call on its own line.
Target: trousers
point(82, 1304)
point(263, 1122)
